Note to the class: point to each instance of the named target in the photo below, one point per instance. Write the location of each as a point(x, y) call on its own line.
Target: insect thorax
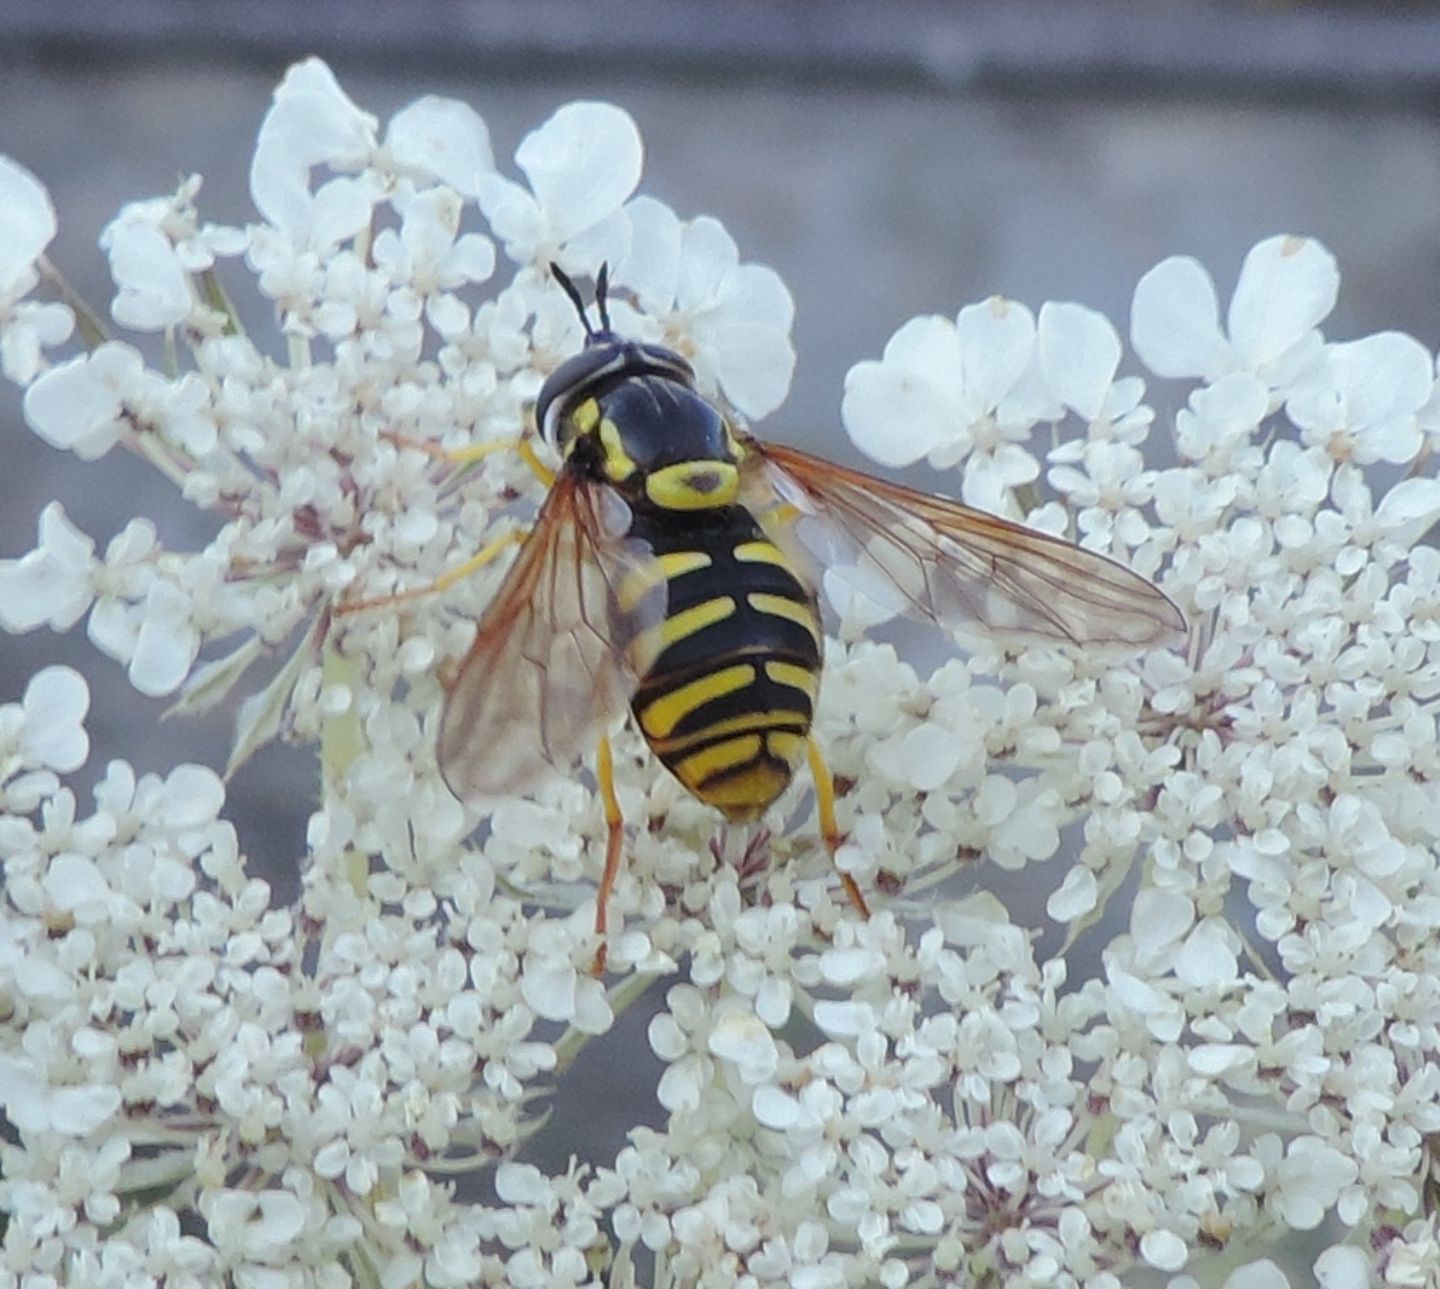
point(656, 441)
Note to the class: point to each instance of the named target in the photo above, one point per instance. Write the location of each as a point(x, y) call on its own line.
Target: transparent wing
point(548, 671)
point(940, 561)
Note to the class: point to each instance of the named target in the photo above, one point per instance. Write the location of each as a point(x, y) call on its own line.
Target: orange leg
point(615, 833)
point(829, 829)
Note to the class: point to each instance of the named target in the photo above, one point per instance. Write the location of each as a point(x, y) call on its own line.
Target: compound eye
point(547, 418)
point(665, 361)
point(560, 390)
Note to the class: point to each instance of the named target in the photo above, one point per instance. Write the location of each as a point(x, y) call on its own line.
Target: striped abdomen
point(729, 676)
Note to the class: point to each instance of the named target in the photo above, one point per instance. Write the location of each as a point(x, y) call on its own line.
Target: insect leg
point(615, 828)
point(479, 451)
point(462, 456)
point(542, 471)
point(829, 829)
point(447, 579)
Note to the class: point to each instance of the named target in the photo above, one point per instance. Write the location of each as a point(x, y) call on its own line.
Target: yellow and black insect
point(674, 568)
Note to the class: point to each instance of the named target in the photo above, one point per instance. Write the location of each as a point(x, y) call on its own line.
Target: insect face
point(626, 414)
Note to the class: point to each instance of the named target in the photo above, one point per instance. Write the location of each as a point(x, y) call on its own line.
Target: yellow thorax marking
point(619, 465)
point(693, 485)
point(586, 415)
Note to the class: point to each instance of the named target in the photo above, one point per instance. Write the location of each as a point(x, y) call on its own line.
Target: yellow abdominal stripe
point(781, 606)
point(653, 641)
point(749, 723)
point(667, 711)
point(760, 553)
point(716, 759)
point(786, 745)
point(787, 673)
point(638, 583)
point(746, 793)
point(746, 781)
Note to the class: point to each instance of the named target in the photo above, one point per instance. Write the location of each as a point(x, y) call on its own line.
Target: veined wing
point(944, 562)
point(548, 671)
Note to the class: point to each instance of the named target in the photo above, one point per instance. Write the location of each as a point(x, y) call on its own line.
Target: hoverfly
point(674, 568)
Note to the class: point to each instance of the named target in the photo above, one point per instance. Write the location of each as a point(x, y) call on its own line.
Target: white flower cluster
point(198, 1089)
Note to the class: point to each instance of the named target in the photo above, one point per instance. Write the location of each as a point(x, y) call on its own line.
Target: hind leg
point(829, 829)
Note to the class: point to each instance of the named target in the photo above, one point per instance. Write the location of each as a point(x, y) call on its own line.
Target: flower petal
point(312, 122)
point(651, 268)
point(77, 405)
point(1175, 321)
point(1079, 355)
point(1381, 376)
point(444, 139)
point(997, 342)
point(168, 641)
point(582, 164)
point(1287, 286)
point(27, 224)
point(154, 287)
point(55, 703)
point(893, 416)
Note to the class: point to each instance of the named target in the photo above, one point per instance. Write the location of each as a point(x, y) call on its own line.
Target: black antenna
point(602, 286)
point(573, 292)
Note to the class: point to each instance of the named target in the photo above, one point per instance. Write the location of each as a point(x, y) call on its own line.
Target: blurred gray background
point(887, 159)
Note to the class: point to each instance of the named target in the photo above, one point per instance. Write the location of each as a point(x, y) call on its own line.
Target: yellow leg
point(447, 579)
point(615, 833)
point(479, 451)
point(453, 456)
point(542, 471)
point(461, 456)
point(829, 829)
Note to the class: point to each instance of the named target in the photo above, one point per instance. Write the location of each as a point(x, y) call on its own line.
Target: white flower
point(313, 123)
point(731, 319)
point(582, 164)
point(954, 392)
point(1362, 403)
point(27, 227)
point(154, 286)
point(53, 710)
point(1287, 287)
point(1079, 351)
point(441, 139)
point(51, 585)
point(1232, 1037)
point(80, 405)
point(34, 1107)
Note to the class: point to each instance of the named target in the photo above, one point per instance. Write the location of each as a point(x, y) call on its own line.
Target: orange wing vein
point(941, 561)
point(548, 671)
